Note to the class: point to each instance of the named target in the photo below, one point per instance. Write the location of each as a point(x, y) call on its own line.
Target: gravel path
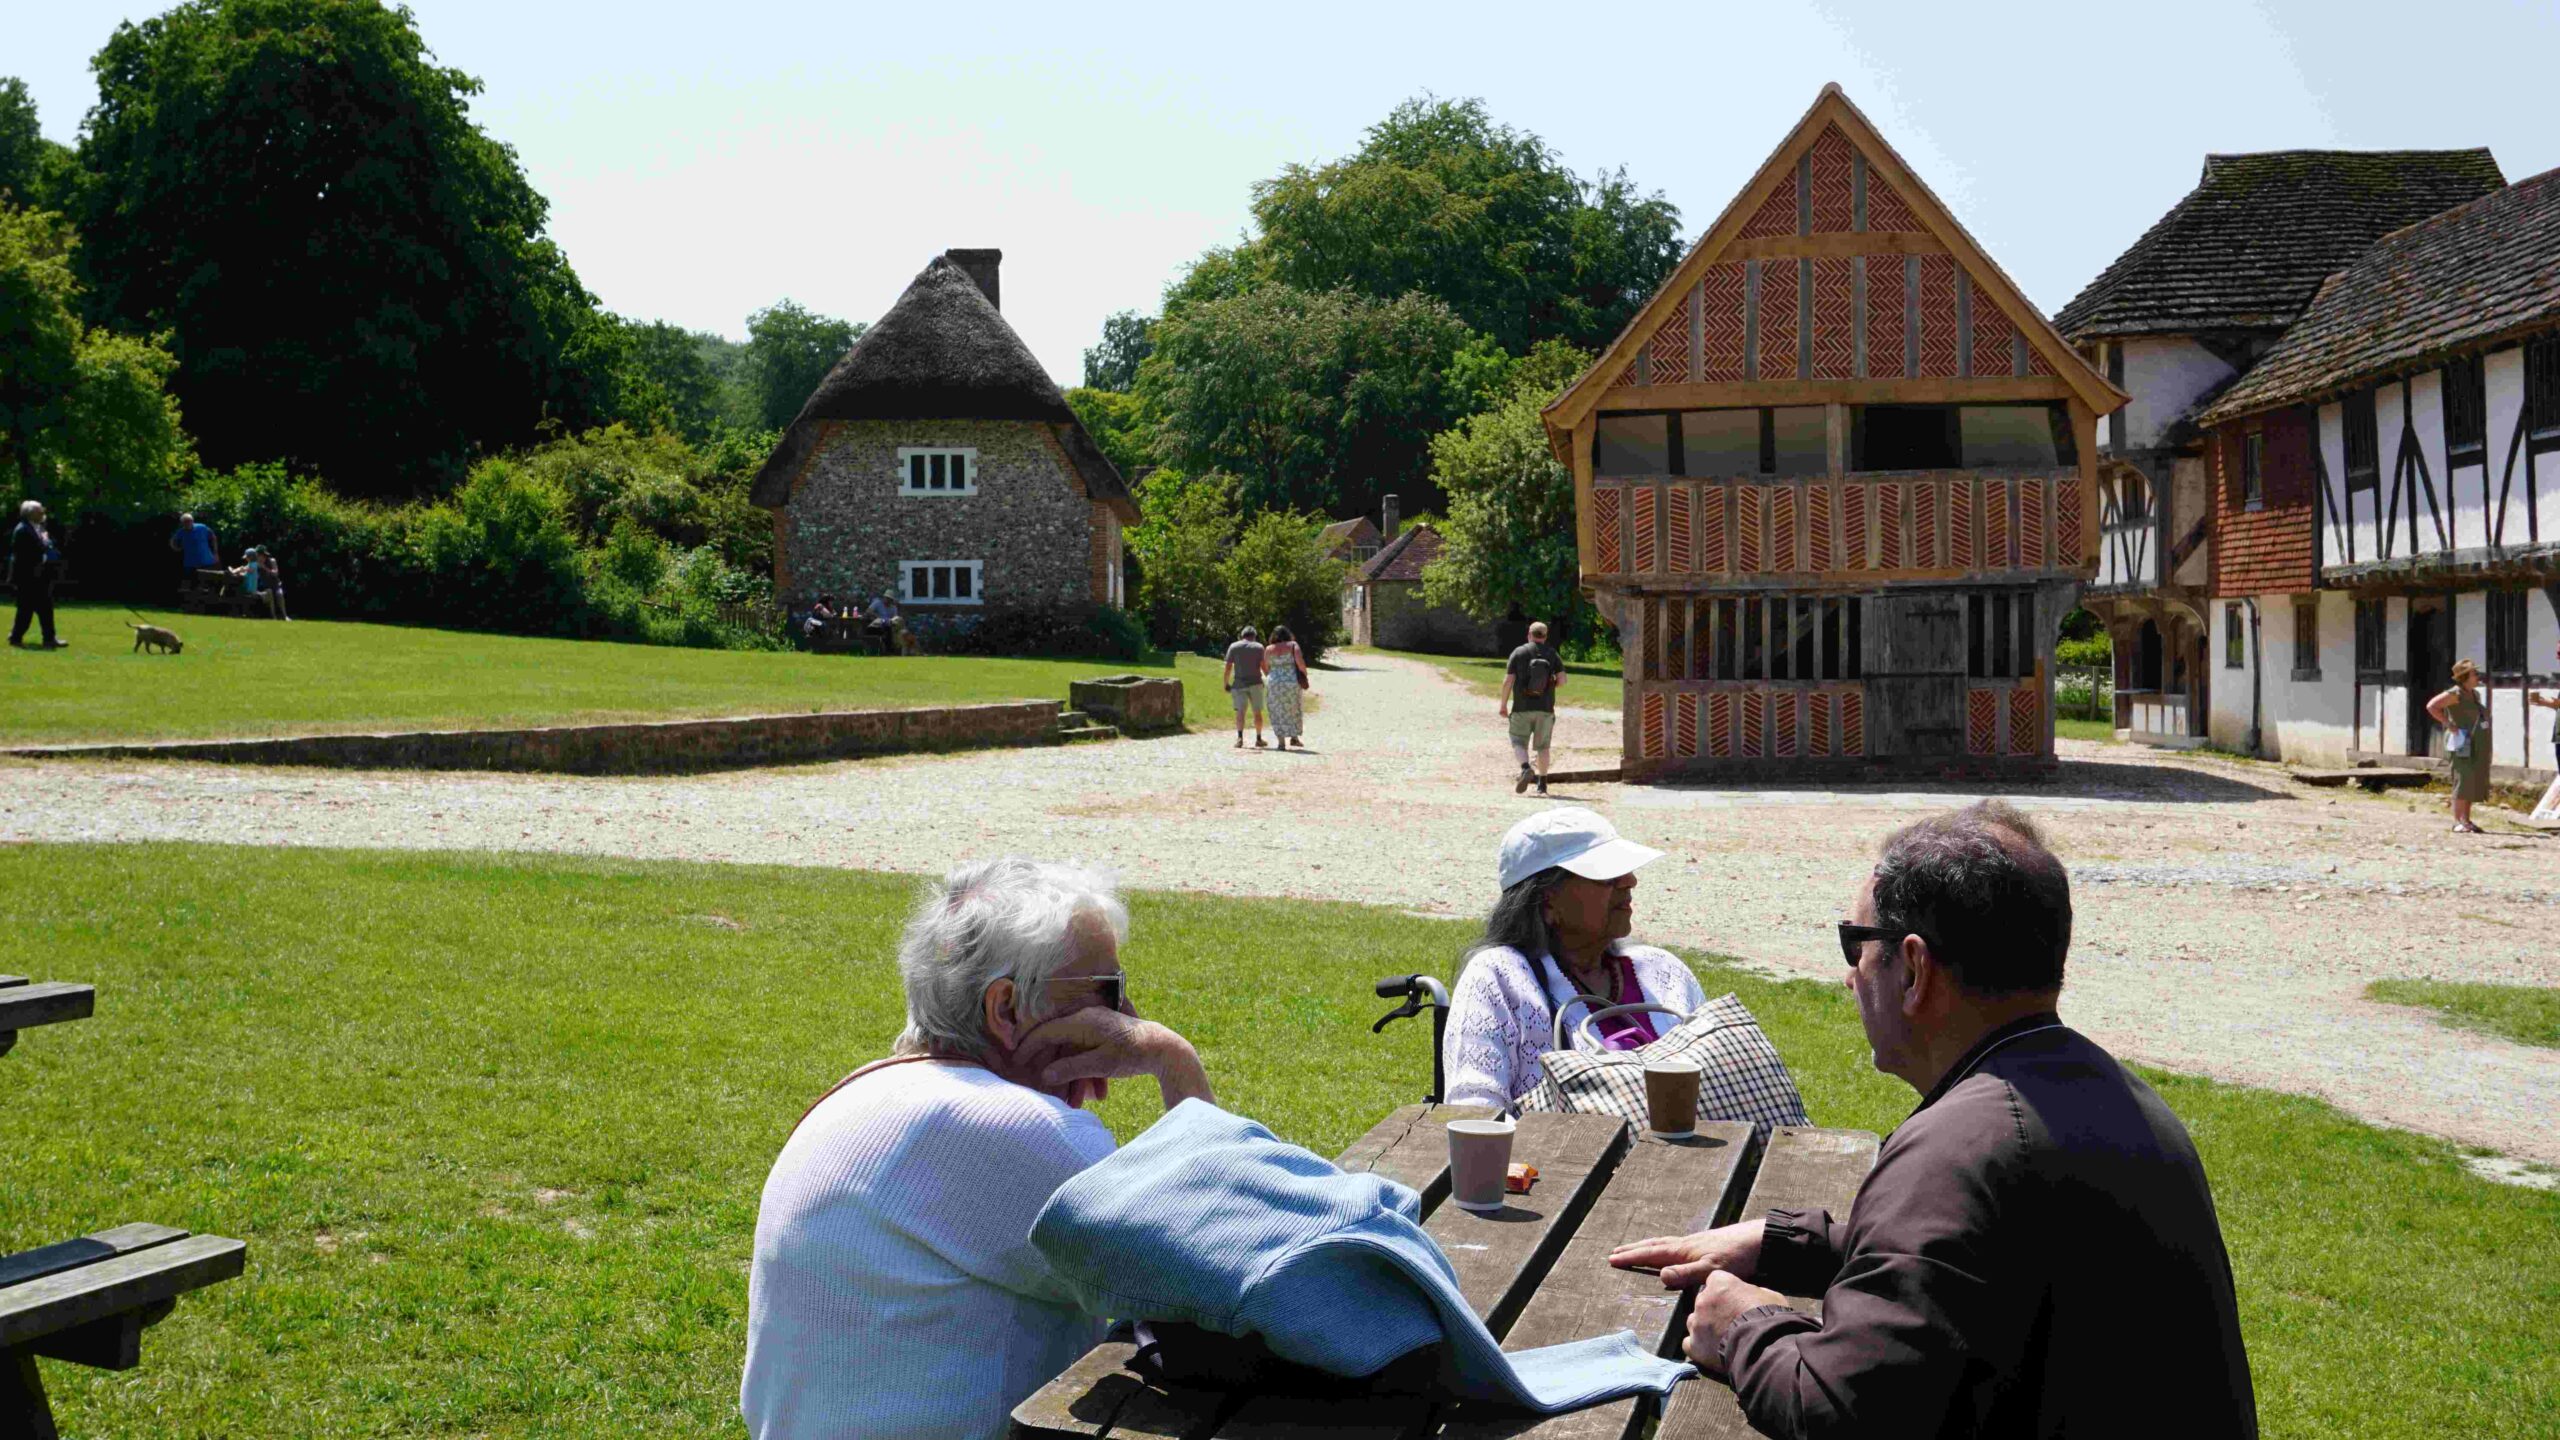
point(2227, 921)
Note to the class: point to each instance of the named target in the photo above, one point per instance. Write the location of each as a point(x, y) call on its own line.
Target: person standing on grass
point(1529, 683)
point(2466, 742)
point(2036, 1252)
point(194, 544)
point(35, 562)
point(1243, 679)
point(1284, 676)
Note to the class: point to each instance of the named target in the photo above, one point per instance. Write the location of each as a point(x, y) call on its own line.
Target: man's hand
point(1077, 1054)
point(1503, 710)
point(1687, 1260)
point(1721, 1301)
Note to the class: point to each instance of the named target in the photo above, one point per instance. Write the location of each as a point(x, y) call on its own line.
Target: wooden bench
point(209, 592)
point(1537, 1271)
point(86, 1301)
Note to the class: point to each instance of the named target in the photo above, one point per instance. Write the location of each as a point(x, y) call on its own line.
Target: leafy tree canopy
point(86, 422)
point(1316, 400)
point(354, 275)
point(34, 172)
point(1509, 533)
point(789, 350)
point(1443, 200)
point(1113, 364)
point(1120, 424)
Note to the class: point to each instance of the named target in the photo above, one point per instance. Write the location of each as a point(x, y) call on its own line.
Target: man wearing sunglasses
point(2036, 1251)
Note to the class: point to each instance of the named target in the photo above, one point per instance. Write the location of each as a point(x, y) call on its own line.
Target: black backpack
point(1536, 675)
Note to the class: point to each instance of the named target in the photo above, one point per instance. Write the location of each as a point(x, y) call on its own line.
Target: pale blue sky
point(703, 160)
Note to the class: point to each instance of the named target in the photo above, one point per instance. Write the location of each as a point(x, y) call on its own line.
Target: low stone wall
point(1135, 703)
point(654, 747)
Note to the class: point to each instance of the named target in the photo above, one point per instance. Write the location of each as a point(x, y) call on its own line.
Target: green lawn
point(2526, 1014)
point(495, 1128)
point(1598, 687)
point(259, 677)
point(2102, 731)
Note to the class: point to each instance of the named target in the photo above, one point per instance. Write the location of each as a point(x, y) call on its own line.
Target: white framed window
point(941, 582)
point(937, 470)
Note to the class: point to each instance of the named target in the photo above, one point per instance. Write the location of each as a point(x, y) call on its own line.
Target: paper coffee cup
point(1479, 1162)
point(1671, 1098)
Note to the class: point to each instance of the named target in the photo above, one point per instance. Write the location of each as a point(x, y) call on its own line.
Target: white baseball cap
point(1574, 838)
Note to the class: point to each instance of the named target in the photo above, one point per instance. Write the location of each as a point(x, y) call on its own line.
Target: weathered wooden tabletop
point(1537, 1271)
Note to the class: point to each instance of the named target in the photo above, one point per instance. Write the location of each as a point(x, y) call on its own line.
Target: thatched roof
point(943, 352)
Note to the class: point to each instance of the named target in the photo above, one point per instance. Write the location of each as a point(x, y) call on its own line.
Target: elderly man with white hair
point(894, 1290)
point(35, 562)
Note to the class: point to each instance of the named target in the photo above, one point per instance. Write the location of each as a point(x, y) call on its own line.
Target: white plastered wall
point(2164, 375)
point(2228, 721)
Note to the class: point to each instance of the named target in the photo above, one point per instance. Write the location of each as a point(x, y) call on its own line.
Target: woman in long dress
point(2466, 742)
point(1284, 679)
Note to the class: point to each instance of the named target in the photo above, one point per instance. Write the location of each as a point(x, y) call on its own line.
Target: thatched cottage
point(939, 462)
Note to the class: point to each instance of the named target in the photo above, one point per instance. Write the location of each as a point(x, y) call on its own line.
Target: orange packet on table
point(1520, 1178)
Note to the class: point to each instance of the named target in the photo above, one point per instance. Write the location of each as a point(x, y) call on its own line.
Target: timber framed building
point(2408, 426)
point(1835, 484)
point(2175, 320)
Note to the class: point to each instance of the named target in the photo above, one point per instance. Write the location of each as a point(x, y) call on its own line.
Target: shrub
point(2092, 653)
point(1278, 574)
point(1090, 632)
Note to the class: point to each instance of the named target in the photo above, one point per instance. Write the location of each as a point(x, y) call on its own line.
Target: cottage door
point(1915, 675)
point(2430, 670)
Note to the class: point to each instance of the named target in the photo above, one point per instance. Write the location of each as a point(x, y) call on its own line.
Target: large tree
point(86, 422)
point(1443, 200)
point(1319, 401)
point(789, 350)
point(1113, 364)
point(34, 172)
point(1508, 536)
point(354, 276)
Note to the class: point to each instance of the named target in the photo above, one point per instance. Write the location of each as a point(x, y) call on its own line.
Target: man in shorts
point(1529, 684)
point(1243, 679)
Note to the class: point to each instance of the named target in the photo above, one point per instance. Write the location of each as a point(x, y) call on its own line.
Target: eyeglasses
point(1855, 937)
point(1112, 988)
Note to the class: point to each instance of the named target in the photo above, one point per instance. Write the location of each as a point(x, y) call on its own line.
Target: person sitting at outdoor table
point(1558, 933)
point(886, 624)
point(813, 626)
point(271, 583)
point(894, 1291)
point(194, 543)
point(2036, 1250)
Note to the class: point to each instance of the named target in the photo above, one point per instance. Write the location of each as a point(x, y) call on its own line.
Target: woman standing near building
point(1284, 676)
point(2466, 741)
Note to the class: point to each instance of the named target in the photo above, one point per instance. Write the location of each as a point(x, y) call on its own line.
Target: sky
point(705, 160)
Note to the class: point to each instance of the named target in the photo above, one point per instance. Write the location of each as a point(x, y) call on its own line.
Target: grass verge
point(247, 678)
point(495, 1128)
point(1586, 686)
point(2101, 731)
point(2526, 1014)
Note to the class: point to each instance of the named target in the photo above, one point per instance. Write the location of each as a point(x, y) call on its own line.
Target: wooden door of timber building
point(1835, 485)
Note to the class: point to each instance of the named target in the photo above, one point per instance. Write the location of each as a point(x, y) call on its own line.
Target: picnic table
point(1537, 1271)
point(203, 592)
point(87, 1300)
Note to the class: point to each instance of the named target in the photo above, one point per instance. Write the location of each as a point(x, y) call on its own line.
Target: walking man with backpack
point(1529, 684)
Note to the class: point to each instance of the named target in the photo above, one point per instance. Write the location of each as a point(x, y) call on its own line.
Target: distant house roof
point(2461, 280)
point(1340, 536)
point(943, 352)
point(2248, 247)
point(1405, 555)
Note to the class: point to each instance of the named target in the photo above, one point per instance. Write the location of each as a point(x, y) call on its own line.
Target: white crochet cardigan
point(1502, 1014)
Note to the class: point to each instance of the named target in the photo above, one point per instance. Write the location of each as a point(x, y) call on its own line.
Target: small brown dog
point(155, 638)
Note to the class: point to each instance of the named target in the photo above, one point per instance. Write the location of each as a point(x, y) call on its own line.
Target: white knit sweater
point(1502, 1018)
point(895, 1292)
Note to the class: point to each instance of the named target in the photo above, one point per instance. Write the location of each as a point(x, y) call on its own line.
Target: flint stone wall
point(655, 747)
point(849, 523)
point(1399, 620)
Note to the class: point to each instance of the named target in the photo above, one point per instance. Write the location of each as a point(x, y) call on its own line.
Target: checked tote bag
point(1741, 1076)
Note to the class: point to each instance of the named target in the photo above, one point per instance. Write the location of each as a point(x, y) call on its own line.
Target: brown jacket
point(2034, 1254)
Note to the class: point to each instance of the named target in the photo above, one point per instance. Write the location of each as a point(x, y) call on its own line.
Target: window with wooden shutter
point(2466, 413)
point(2364, 443)
point(2253, 462)
point(2506, 632)
point(2542, 392)
point(2369, 635)
point(2306, 640)
point(2234, 652)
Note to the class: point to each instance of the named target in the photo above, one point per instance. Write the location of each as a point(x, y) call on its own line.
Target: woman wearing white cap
point(1558, 933)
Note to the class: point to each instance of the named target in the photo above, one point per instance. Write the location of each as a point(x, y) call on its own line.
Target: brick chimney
point(981, 267)
point(1390, 514)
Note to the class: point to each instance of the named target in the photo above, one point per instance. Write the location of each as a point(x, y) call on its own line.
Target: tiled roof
point(2487, 270)
point(2249, 246)
point(1342, 534)
point(1405, 555)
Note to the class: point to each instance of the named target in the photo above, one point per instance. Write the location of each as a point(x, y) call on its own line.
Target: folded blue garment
point(1211, 1220)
